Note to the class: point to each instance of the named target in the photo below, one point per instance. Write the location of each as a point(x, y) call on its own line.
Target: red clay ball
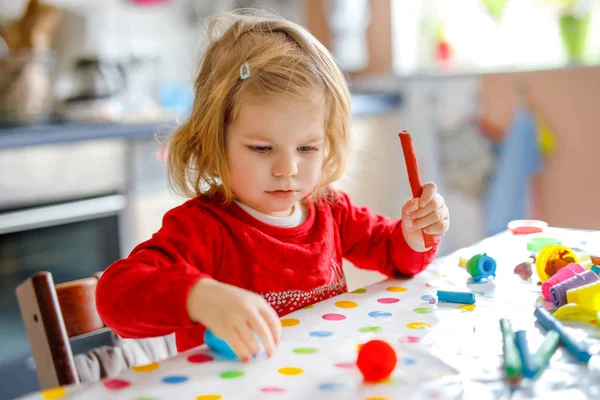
point(376, 360)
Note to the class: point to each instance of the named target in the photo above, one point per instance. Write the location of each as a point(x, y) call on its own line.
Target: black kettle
point(97, 79)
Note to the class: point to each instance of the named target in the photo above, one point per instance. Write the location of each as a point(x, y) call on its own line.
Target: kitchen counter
point(363, 105)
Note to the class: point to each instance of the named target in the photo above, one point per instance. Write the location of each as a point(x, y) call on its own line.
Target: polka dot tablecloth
point(445, 351)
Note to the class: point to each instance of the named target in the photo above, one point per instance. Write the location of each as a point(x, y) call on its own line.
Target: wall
point(567, 188)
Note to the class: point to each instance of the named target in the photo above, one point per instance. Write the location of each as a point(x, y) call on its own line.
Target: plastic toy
point(547, 264)
point(574, 346)
point(376, 360)
point(524, 270)
point(412, 168)
point(542, 356)
point(219, 346)
point(575, 312)
point(456, 297)
point(558, 292)
point(562, 275)
point(526, 226)
point(526, 360)
point(512, 361)
point(586, 296)
point(538, 244)
point(481, 266)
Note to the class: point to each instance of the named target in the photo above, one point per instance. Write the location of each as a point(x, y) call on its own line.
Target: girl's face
point(275, 151)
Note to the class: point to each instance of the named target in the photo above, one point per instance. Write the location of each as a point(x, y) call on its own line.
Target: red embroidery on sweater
point(291, 300)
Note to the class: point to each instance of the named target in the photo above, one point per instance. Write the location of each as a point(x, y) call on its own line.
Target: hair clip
point(244, 70)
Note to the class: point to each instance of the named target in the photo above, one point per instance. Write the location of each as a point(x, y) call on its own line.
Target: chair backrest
point(52, 316)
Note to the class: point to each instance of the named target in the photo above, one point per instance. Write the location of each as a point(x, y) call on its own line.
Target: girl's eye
point(308, 149)
point(259, 149)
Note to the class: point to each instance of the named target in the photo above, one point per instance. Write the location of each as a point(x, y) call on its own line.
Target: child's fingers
point(431, 218)
point(238, 345)
point(272, 320)
point(429, 191)
point(438, 229)
point(410, 206)
point(437, 202)
point(258, 325)
point(247, 334)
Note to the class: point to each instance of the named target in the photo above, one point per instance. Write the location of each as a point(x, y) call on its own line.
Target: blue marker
point(548, 322)
point(529, 370)
point(456, 297)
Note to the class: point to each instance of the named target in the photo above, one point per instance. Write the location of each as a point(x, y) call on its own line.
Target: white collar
point(297, 217)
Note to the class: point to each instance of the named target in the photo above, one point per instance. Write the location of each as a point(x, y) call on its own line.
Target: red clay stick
point(412, 168)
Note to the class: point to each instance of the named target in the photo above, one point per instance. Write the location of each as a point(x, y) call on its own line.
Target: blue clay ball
point(219, 346)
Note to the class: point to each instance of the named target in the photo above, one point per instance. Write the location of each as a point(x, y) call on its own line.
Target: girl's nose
point(285, 166)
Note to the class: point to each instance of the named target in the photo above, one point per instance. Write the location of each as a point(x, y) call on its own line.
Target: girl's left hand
point(428, 213)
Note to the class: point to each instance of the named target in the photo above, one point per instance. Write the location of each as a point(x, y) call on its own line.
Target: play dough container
point(536, 245)
point(526, 226)
point(558, 251)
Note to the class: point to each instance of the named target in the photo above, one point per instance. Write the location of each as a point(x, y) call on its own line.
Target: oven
point(62, 210)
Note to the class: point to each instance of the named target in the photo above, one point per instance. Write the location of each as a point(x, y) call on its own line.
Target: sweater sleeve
point(375, 242)
point(145, 294)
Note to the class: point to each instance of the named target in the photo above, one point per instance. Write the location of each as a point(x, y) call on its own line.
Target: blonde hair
point(283, 59)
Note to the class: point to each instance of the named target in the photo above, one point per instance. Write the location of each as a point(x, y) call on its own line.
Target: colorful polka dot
point(321, 334)
point(380, 314)
point(209, 397)
point(433, 284)
point(426, 297)
point(424, 310)
point(146, 368)
point(359, 291)
point(334, 317)
point(231, 374)
point(287, 322)
point(54, 393)
point(388, 300)
point(290, 371)
point(418, 325)
point(345, 364)
point(175, 379)
point(376, 398)
point(358, 347)
point(409, 339)
point(272, 389)
point(408, 361)
point(396, 289)
point(395, 380)
point(331, 386)
point(307, 307)
point(116, 384)
point(200, 358)
point(370, 329)
point(467, 307)
point(346, 304)
point(305, 350)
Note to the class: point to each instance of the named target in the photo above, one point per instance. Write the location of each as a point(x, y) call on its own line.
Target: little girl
point(264, 234)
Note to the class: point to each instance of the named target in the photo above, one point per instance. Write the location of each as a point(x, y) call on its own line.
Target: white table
point(445, 351)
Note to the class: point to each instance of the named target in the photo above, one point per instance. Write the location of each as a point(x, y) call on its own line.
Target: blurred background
point(501, 97)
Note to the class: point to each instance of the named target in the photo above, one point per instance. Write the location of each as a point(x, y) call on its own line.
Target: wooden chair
point(60, 319)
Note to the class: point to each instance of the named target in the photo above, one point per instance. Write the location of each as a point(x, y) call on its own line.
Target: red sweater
point(144, 295)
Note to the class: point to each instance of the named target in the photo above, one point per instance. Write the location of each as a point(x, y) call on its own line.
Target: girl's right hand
point(234, 315)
